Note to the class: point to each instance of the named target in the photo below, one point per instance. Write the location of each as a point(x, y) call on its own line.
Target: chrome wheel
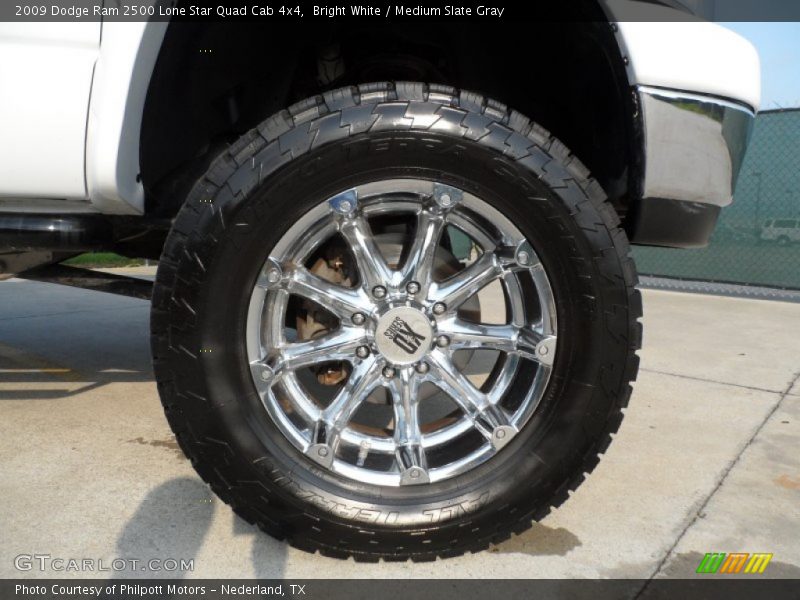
point(401, 333)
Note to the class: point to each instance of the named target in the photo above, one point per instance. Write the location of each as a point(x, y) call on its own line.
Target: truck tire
point(395, 321)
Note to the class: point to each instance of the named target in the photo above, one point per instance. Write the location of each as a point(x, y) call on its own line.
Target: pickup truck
point(395, 315)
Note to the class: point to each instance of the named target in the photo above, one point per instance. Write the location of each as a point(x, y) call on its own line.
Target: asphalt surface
point(706, 460)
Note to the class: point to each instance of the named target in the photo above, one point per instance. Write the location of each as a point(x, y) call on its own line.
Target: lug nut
point(322, 451)
point(344, 203)
point(523, 258)
point(379, 292)
point(388, 372)
point(412, 288)
point(544, 350)
point(273, 275)
point(442, 341)
point(266, 375)
point(362, 352)
point(500, 434)
point(439, 308)
point(358, 319)
point(422, 368)
point(445, 199)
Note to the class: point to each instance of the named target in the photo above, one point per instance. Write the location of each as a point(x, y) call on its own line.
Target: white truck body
point(73, 95)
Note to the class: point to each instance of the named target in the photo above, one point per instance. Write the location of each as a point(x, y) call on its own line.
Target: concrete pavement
point(706, 459)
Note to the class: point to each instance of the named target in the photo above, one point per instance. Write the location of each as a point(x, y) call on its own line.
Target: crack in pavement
point(704, 380)
point(659, 567)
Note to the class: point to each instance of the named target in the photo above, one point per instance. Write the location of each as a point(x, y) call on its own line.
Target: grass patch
point(103, 260)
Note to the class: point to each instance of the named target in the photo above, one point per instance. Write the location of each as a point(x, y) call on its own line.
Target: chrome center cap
point(403, 335)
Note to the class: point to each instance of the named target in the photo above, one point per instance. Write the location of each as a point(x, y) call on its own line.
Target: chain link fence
point(757, 239)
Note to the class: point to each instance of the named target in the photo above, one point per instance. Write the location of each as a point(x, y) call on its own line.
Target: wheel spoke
point(341, 301)
point(464, 335)
point(405, 392)
point(337, 345)
point(419, 264)
point(364, 378)
point(460, 287)
point(369, 260)
point(512, 339)
point(485, 416)
point(410, 454)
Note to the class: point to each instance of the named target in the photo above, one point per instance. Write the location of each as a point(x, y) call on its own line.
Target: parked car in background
point(781, 231)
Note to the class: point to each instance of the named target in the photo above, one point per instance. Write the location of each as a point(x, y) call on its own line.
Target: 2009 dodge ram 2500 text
point(394, 319)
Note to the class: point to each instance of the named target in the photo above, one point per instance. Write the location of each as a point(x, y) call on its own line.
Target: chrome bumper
point(693, 149)
point(694, 145)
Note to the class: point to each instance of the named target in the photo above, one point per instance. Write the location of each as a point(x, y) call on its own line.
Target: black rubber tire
point(257, 188)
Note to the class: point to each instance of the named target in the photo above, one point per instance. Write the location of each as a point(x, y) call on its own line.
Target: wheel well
point(209, 86)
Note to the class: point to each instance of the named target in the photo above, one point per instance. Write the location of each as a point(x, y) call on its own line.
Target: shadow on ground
point(540, 540)
point(172, 522)
point(70, 365)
